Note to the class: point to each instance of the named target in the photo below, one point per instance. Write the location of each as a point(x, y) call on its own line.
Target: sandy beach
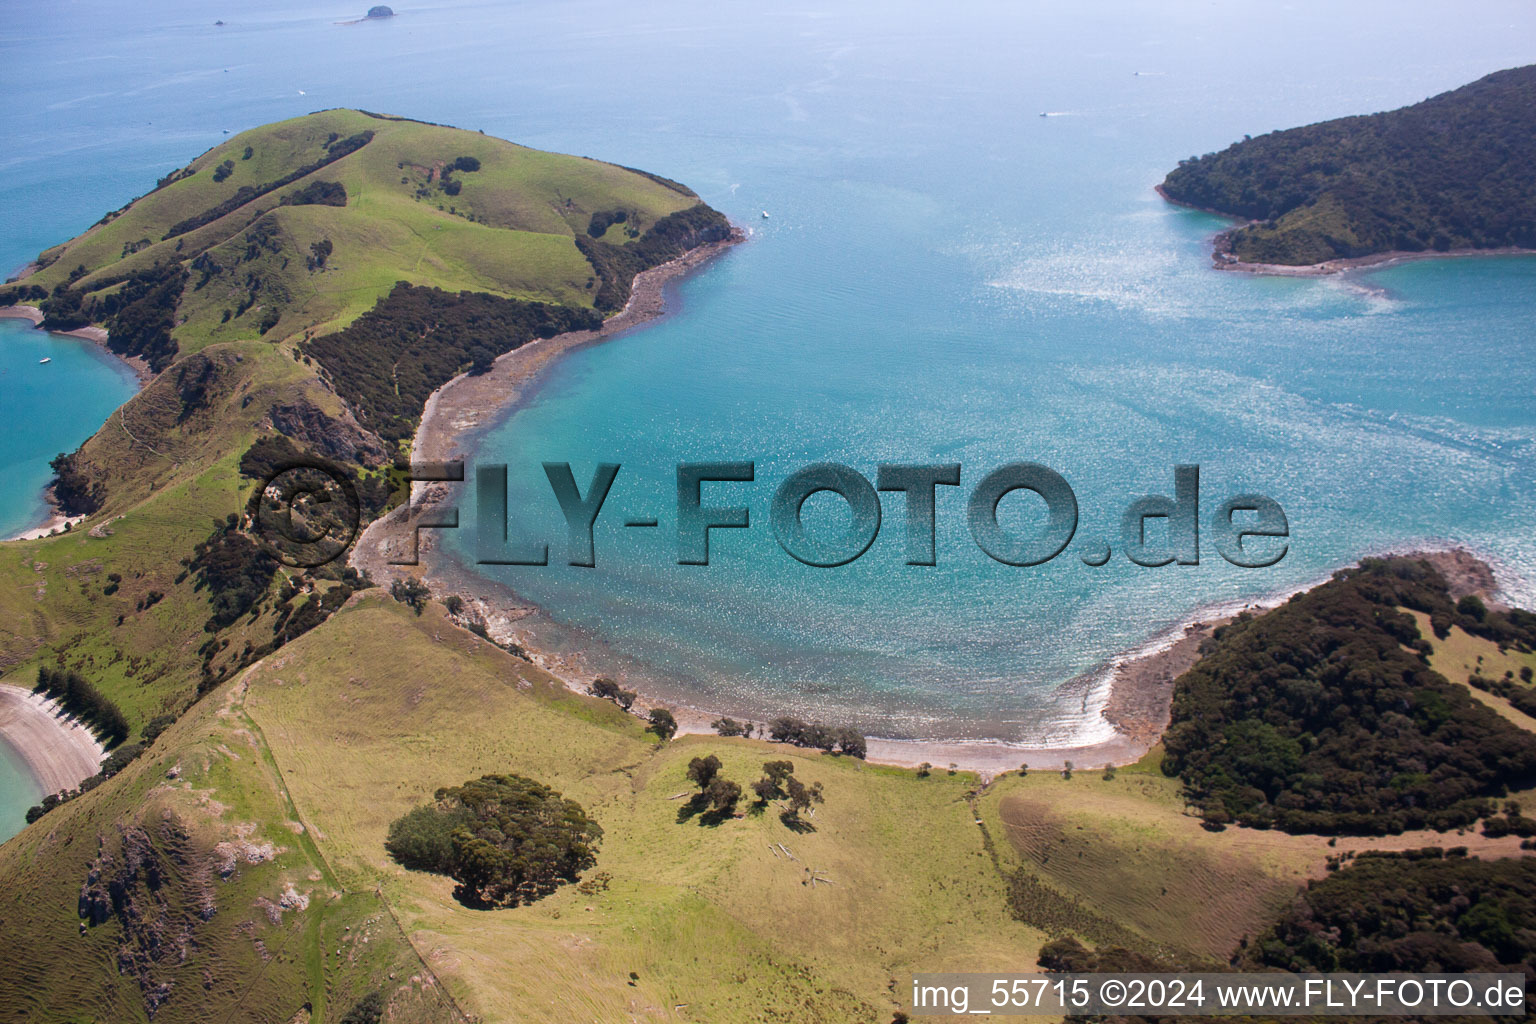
point(57, 521)
point(58, 751)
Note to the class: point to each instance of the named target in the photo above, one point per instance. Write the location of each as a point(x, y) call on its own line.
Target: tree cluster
point(75, 491)
point(318, 193)
point(609, 690)
point(80, 698)
point(505, 839)
point(603, 219)
point(411, 592)
point(717, 794)
point(832, 739)
point(1322, 715)
point(417, 338)
point(779, 783)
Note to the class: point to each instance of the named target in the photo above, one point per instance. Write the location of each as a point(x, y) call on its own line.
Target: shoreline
point(1136, 686)
point(95, 334)
point(57, 519)
point(1132, 691)
point(58, 752)
point(1327, 268)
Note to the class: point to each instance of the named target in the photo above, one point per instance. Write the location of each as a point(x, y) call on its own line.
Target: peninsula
point(338, 791)
point(1453, 174)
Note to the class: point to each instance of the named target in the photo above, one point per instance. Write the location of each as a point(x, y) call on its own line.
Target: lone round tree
point(505, 839)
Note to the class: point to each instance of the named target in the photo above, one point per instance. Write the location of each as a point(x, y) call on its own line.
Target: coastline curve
point(58, 752)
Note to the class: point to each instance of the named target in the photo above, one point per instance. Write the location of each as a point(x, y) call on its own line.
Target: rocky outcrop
point(338, 438)
point(150, 886)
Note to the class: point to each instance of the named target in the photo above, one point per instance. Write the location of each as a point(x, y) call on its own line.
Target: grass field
point(718, 923)
point(509, 231)
point(1461, 655)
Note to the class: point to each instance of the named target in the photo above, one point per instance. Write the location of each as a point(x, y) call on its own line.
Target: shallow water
point(18, 791)
point(48, 408)
point(945, 276)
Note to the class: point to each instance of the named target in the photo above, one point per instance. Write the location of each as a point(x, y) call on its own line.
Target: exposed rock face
point(151, 886)
point(335, 438)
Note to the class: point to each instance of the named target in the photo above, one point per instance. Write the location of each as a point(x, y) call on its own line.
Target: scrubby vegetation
point(318, 193)
point(505, 839)
point(1320, 716)
point(75, 491)
point(1422, 912)
point(235, 570)
point(417, 339)
point(667, 239)
point(1455, 171)
point(603, 219)
point(139, 309)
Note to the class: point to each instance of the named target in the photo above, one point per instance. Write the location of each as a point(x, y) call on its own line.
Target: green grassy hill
point(509, 229)
point(1457, 171)
point(236, 232)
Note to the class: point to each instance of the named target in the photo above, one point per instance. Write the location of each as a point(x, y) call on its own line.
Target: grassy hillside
point(186, 889)
point(717, 922)
point(508, 230)
point(1455, 171)
point(248, 229)
point(321, 745)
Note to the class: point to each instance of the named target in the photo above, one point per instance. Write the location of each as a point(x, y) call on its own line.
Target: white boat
point(765, 215)
point(45, 359)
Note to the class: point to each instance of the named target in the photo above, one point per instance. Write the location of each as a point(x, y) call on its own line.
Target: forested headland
point(1457, 171)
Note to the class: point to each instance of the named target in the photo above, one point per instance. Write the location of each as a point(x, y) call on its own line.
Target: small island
point(1455, 173)
point(380, 11)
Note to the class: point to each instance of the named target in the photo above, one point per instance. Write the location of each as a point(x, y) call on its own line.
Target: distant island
point(1456, 172)
point(380, 12)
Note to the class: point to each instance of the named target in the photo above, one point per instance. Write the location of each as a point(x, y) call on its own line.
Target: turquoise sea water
point(945, 276)
point(49, 408)
point(18, 791)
